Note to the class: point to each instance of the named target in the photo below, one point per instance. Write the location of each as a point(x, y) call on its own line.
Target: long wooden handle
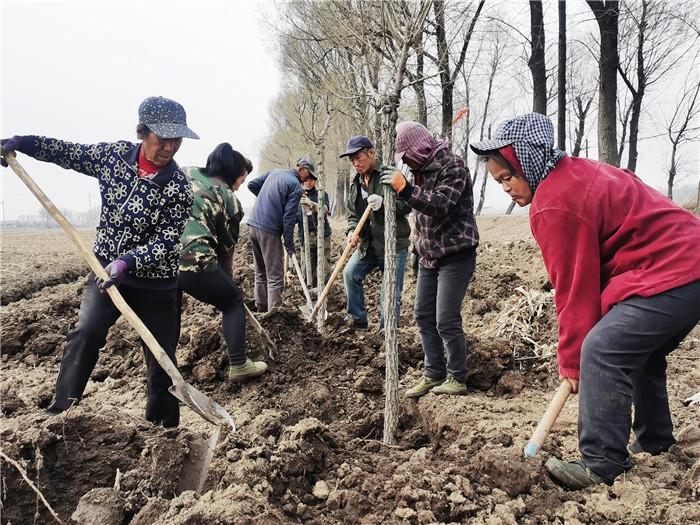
point(339, 265)
point(548, 419)
point(145, 334)
point(295, 261)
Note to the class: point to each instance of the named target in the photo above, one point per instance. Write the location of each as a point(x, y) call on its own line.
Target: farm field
point(308, 447)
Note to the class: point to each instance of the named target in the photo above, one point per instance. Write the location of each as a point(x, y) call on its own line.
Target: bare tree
point(607, 13)
point(654, 37)
point(679, 130)
point(449, 75)
point(561, 79)
point(537, 61)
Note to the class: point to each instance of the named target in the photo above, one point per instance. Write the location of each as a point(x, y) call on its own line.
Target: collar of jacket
point(360, 178)
point(434, 165)
point(131, 157)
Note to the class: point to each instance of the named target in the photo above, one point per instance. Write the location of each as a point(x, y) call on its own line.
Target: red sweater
point(606, 236)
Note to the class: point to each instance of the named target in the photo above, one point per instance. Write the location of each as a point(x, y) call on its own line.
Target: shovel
point(267, 340)
point(193, 398)
point(306, 309)
point(548, 419)
point(338, 266)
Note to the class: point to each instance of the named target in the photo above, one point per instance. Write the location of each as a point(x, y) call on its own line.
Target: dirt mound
point(79, 451)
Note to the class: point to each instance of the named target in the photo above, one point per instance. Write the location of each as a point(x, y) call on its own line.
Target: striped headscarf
point(532, 138)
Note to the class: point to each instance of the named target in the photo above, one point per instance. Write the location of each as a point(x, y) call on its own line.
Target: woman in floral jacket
point(145, 204)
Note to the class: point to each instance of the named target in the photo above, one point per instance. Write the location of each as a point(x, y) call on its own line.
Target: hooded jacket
point(444, 202)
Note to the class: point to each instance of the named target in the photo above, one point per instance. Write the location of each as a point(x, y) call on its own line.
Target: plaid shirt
point(444, 203)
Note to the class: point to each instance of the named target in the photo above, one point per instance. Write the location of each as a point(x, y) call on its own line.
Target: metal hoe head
point(203, 405)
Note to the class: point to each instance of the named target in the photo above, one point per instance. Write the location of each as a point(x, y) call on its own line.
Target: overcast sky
point(78, 71)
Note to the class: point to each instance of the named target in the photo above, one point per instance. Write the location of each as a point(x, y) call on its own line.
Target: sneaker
point(451, 386)
point(248, 369)
point(573, 475)
point(423, 386)
point(356, 324)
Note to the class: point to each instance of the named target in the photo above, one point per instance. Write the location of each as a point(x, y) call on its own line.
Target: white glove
point(306, 201)
point(374, 202)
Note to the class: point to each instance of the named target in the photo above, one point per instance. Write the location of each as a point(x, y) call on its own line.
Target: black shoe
point(356, 324)
point(636, 448)
point(573, 475)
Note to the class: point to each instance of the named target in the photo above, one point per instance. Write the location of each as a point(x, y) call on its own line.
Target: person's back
point(273, 191)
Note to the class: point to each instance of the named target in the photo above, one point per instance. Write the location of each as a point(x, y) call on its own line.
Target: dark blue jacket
point(142, 219)
point(275, 211)
point(313, 216)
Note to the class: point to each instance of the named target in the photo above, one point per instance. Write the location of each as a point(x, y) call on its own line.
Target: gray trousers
point(268, 259)
point(623, 362)
point(439, 295)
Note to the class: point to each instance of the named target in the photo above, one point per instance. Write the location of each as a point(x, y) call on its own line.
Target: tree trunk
point(341, 209)
point(672, 171)
point(419, 84)
point(581, 113)
point(391, 353)
point(638, 95)
point(307, 247)
point(536, 62)
point(607, 14)
point(623, 136)
point(561, 95)
point(321, 227)
point(443, 56)
point(320, 256)
point(482, 191)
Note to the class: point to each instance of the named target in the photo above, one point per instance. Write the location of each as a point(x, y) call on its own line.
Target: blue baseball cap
point(355, 144)
point(166, 118)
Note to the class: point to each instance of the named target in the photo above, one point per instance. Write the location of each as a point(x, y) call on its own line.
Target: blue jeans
point(354, 275)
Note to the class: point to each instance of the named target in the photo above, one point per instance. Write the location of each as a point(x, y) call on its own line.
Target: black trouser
point(218, 289)
point(159, 312)
point(439, 295)
point(623, 362)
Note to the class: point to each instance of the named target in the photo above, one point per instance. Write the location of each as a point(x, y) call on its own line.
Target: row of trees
point(358, 66)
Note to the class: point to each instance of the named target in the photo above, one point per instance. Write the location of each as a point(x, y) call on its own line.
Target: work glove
point(374, 202)
point(116, 270)
point(9, 145)
point(307, 202)
point(394, 178)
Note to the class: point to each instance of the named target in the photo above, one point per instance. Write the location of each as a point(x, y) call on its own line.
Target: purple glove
point(116, 270)
point(9, 145)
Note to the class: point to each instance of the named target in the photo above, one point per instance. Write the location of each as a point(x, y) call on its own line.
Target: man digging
point(274, 215)
point(366, 189)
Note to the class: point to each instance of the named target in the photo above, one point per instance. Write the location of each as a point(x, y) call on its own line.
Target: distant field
point(32, 260)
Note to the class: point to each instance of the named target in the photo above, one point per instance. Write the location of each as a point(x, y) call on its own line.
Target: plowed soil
point(309, 443)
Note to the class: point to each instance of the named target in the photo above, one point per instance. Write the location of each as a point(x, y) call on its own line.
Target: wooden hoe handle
point(340, 264)
point(548, 419)
point(145, 334)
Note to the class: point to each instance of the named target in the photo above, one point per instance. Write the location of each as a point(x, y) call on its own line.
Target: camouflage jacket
point(213, 227)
